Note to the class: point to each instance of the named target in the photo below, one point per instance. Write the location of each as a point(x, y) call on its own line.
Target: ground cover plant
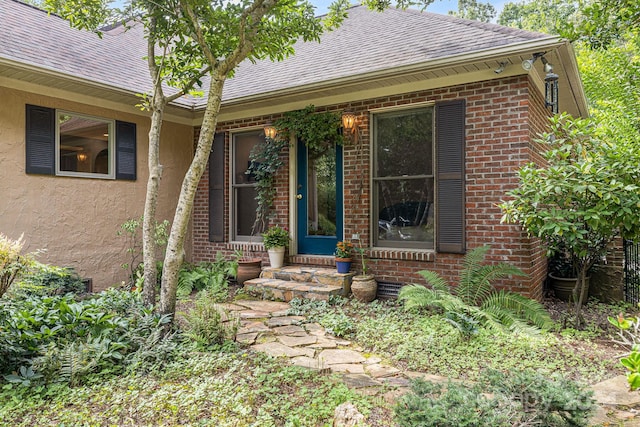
point(427, 342)
point(107, 359)
point(232, 388)
point(523, 398)
point(103, 359)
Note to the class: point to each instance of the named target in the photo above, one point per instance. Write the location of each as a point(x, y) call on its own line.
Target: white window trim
point(111, 147)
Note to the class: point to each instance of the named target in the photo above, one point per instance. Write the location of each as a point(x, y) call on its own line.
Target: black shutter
point(125, 151)
point(40, 140)
point(216, 189)
point(450, 205)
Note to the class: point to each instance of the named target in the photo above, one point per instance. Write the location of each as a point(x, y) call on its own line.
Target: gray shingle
point(366, 42)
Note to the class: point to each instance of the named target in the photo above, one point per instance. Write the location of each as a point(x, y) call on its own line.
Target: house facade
point(445, 114)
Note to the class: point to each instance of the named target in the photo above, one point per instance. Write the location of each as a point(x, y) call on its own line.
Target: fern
point(523, 308)
point(476, 298)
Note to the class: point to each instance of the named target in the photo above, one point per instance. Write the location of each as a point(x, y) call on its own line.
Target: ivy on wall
point(318, 131)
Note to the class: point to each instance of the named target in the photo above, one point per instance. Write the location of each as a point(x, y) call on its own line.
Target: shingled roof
point(367, 42)
point(374, 41)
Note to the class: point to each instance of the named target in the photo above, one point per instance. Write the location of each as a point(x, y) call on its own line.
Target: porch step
point(291, 282)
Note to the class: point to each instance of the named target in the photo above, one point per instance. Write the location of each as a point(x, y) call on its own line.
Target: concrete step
point(284, 290)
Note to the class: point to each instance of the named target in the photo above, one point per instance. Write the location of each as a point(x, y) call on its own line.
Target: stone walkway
point(266, 327)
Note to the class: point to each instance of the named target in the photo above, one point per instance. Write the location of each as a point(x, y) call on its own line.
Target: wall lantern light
point(348, 121)
point(551, 92)
point(82, 157)
point(269, 130)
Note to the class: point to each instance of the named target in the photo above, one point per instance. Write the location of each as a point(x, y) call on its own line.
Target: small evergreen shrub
point(523, 398)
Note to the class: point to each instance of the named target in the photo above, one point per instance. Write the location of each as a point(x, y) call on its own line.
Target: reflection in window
point(403, 178)
point(321, 193)
point(84, 144)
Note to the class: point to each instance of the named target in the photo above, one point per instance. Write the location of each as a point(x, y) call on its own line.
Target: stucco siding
point(75, 220)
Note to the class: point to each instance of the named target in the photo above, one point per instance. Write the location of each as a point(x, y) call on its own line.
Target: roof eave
point(548, 43)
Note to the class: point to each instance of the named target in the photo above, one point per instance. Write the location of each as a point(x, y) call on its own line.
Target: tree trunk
point(151, 203)
point(157, 104)
point(175, 246)
point(580, 294)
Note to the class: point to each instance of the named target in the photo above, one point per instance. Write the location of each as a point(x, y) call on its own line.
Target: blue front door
point(319, 200)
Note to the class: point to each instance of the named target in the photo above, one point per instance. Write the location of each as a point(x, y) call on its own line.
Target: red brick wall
point(501, 117)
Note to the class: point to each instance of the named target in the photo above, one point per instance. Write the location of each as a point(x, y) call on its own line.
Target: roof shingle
point(367, 42)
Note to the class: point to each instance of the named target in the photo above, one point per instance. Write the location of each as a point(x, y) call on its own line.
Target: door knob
point(299, 196)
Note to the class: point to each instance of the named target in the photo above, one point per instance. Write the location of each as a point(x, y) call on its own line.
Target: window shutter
point(40, 140)
point(450, 205)
point(125, 151)
point(216, 189)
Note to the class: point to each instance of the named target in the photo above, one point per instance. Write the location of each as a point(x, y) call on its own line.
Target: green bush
point(43, 279)
point(213, 276)
point(65, 340)
point(498, 400)
point(208, 325)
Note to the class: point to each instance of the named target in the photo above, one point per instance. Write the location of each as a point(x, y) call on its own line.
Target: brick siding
point(502, 116)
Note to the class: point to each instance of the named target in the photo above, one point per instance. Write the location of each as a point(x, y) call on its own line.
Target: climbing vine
point(319, 131)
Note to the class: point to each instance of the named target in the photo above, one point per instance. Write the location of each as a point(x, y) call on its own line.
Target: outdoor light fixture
point(500, 68)
point(348, 121)
point(551, 92)
point(548, 68)
point(269, 130)
point(527, 64)
point(82, 157)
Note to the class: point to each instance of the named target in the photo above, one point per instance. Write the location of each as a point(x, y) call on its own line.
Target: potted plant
point(563, 276)
point(343, 256)
point(275, 240)
point(584, 198)
point(249, 267)
point(364, 286)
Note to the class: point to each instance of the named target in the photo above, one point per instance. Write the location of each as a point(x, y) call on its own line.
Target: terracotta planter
point(563, 286)
point(343, 265)
point(364, 288)
point(248, 269)
point(276, 256)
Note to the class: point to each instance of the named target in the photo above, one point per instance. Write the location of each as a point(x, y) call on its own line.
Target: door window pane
point(321, 193)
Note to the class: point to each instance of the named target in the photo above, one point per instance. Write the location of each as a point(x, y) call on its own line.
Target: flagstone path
point(265, 326)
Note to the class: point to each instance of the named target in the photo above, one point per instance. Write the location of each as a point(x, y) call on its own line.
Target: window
point(71, 144)
point(403, 178)
point(243, 192)
point(84, 146)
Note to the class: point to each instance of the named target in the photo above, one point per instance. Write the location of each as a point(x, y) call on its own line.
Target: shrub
point(43, 279)
point(12, 262)
point(498, 400)
point(65, 340)
point(208, 325)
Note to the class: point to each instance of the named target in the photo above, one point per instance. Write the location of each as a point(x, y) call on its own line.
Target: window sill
point(246, 246)
point(425, 255)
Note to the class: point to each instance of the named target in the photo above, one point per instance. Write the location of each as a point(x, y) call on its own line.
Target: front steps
point(291, 282)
